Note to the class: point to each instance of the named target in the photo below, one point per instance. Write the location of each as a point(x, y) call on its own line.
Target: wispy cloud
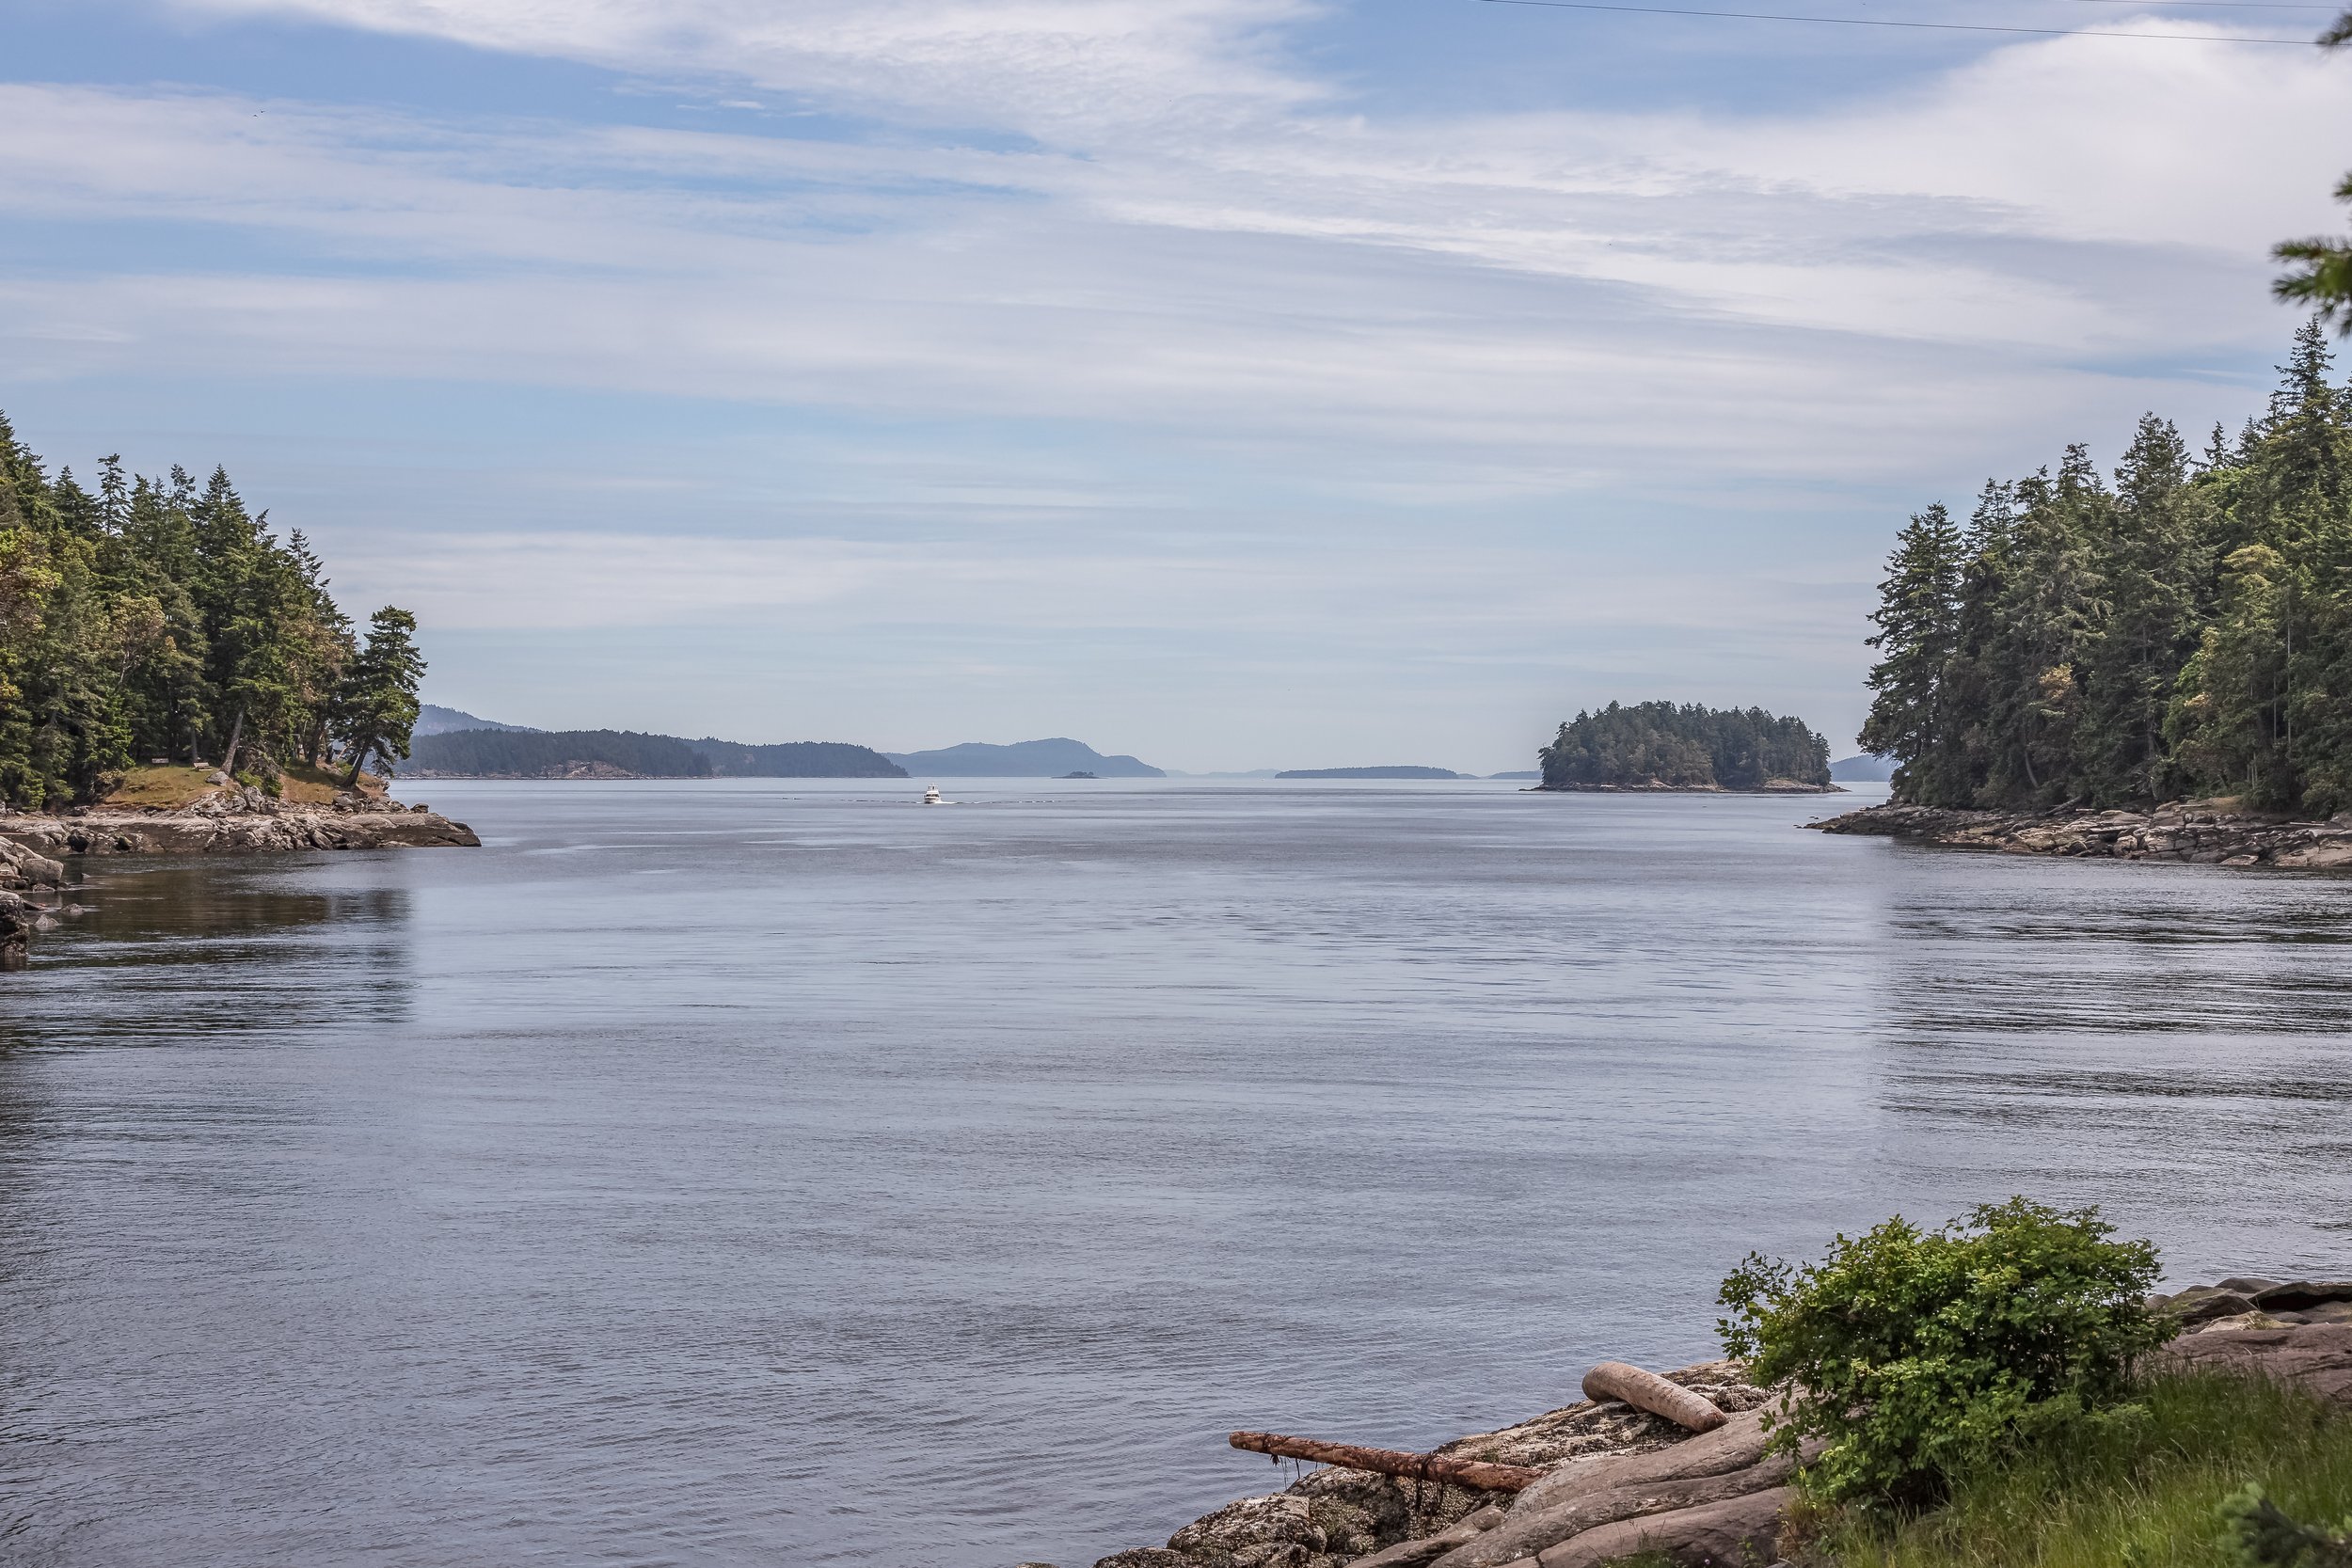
point(1149, 227)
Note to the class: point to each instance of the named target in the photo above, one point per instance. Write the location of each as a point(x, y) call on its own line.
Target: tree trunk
point(1644, 1390)
point(358, 761)
point(1392, 1462)
point(236, 728)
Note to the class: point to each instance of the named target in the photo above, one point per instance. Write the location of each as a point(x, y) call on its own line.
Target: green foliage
point(155, 619)
point(2186, 631)
point(1687, 748)
point(2170, 1490)
point(2261, 1534)
point(1920, 1352)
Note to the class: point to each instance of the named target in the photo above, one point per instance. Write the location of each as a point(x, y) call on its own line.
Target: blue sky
point(1237, 383)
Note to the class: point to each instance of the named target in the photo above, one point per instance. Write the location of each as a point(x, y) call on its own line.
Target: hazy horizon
point(1230, 385)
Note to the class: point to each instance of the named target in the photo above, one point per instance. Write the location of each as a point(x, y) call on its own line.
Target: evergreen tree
point(160, 618)
point(2187, 632)
point(1918, 621)
point(376, 709)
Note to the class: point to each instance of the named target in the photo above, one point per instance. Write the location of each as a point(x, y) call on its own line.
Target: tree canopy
point(1657, 745)
point(2185, 630)
point(160, 617)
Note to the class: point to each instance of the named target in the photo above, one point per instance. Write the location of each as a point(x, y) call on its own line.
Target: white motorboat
point(931, 797)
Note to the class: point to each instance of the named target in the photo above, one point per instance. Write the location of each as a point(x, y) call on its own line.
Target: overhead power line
point(1878, 22)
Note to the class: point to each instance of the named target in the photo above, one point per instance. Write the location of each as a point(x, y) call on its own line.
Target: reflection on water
point(645, 1185)
point(213, 943)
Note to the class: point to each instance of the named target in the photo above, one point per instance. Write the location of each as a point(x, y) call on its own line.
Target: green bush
point(1915, 1353)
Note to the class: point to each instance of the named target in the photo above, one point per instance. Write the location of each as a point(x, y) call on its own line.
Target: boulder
point(1278, 1530)
point(2245, 1285)
point(2200, 1302)
point(2302, 1294)
point(1145, 1556)
point(1733, 1533)
point(1429, 1548)
point(1524, 1534)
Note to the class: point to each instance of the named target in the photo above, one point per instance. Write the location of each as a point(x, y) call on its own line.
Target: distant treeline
point(2186, 632)
point(1654, 744)
point(157, 617)
point(561, 753)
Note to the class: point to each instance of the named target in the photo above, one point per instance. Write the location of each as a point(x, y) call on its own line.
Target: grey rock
point(2302, 1294)
point(2316, 1356)
point(1719, 1535)
point(2201, 1303)
point(1429, 1548)
point(1528, 1533)
point(2245, 1284)
point(1736, 1445)
point(1146, 1556)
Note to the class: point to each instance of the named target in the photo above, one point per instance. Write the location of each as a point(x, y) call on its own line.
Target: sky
point(1234, 383)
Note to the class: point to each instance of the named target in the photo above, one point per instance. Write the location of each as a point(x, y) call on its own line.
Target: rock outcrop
point(230, 820)
point(1621, 1481)
point(24, 871)
point(238, 821)
point(1341, 1518)
point(2188, 831)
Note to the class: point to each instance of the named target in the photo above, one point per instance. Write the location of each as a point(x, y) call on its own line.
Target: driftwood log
point(1615, 1380)
point(1392, 1462)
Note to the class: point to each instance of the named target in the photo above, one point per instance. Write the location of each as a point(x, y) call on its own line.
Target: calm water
point(764, 1173)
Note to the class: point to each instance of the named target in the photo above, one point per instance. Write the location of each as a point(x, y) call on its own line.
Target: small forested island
point(1657, 747)
point(2159, 669)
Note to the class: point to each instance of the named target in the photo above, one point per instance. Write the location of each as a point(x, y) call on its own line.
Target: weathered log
point(1615, 1380)
point(1392, 1462)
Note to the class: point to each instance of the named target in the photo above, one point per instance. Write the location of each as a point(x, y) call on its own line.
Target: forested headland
point(1660, 746)
point(511, 754)
point(2184, 631)
point(160, 618)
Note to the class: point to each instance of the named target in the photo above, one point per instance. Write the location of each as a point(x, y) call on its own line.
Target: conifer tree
point(376, 709)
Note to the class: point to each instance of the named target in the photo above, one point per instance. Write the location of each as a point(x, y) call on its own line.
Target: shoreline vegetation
point(2183, 634)
point(1657, 748)
point(156, 619)
point(2000, 1393)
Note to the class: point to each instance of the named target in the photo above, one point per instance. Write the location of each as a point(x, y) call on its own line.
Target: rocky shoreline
point(230, 820)
point(1771, 787)
point(2192, 831)
point(1619, 1481)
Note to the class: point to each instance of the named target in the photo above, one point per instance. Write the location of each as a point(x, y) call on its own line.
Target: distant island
point(1660, 747)
point(1054, 758)
point(512, 753)
point(1864, 768)
point(1371, 773)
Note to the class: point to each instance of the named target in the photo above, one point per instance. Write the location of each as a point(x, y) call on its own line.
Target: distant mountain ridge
point(1387, 772)
point(433, 719)
point(1053, 758)
point(1864, 768)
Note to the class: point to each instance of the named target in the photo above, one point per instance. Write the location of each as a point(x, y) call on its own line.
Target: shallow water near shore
point(781, 1172)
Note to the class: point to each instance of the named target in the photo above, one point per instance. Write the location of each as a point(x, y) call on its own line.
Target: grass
point(2126, 1493)
point(170, 788)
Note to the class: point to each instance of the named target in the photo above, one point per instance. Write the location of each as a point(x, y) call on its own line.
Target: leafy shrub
point(1915, 1353)
point(2258, 1534)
